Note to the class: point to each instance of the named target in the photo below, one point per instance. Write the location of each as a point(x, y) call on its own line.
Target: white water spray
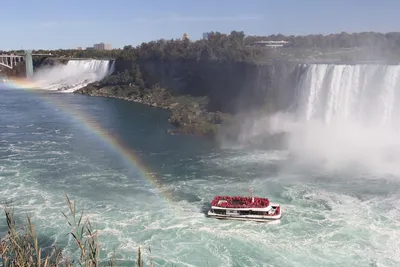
point(72, 76)
point(363, 94)
point(347, 115)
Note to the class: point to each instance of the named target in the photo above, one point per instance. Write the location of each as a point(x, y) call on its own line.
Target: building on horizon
point(102, 46)
point(272, 43)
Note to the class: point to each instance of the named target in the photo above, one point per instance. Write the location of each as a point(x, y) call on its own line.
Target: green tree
point(139, 79)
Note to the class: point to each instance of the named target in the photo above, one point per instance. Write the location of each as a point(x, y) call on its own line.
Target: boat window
point(257, 212)
point(218, 211)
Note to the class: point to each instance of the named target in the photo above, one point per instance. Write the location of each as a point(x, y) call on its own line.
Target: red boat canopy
point(239, 202)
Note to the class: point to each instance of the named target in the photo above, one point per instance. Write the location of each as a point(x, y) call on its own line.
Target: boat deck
point(240, 202)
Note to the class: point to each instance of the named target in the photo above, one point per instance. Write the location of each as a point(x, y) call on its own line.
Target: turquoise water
point(330, 219)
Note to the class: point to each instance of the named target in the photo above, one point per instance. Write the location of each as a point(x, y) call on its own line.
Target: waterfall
point(339, 116)
point(366, 95)
point(73, 75)
point(348, 115)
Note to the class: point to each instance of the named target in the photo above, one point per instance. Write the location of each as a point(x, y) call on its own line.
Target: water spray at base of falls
point(346, 115)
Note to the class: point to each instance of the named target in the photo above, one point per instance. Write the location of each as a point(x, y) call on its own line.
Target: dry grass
point(19, 247)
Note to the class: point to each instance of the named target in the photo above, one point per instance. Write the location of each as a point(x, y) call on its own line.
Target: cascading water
point(344, 115)
point(348, 114)
point(74, 75)
point(362, 94)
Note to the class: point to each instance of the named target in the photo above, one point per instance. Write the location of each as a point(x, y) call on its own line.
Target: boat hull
point(245, 217)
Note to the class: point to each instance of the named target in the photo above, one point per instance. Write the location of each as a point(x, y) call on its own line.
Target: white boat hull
point(245, 217)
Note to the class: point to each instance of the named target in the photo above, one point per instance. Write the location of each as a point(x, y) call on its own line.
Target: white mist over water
point(72, 76)
point(347, 115)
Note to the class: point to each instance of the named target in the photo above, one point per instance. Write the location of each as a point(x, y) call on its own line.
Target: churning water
point(337, 179)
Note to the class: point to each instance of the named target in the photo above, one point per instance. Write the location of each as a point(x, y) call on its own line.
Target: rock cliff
point(204, 94)
point(230, 86)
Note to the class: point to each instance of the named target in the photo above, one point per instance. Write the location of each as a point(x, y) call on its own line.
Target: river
point(46, 151)
point(141, 186)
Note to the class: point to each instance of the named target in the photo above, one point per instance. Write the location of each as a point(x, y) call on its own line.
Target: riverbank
point(188, 113)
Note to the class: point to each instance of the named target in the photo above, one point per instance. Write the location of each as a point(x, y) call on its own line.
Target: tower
point(28, 63)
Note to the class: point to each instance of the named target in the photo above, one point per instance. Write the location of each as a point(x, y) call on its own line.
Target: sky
point(45, 24)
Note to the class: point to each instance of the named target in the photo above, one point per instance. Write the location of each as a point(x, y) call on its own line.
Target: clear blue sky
point(53, 24)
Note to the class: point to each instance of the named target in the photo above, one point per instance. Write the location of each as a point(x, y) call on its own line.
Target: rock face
point(188, 113)
point(203, 95)
point(231, 86)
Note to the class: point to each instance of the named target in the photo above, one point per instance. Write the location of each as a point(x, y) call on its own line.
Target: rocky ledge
point(188, 113)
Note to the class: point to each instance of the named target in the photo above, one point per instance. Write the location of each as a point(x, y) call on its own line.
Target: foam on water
point(320, 226)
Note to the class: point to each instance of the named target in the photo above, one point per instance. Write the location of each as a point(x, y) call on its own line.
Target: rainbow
point(113, 142)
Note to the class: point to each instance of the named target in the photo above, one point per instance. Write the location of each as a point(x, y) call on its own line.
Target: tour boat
point(244, 208)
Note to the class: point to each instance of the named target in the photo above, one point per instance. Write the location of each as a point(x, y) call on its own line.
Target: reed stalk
point(19, 247)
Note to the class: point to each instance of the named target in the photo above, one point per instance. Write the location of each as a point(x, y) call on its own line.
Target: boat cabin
point(244, 208)
point(236, 205)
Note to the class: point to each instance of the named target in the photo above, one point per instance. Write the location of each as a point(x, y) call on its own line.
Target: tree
point(139, 79)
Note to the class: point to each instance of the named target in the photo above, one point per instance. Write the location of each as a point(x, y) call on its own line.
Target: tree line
point(235, 46)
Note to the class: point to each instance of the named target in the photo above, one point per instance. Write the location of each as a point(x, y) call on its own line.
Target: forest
point(238, 47)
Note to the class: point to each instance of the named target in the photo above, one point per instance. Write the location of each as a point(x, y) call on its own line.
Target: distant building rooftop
point(271, 43)
point(102, 46)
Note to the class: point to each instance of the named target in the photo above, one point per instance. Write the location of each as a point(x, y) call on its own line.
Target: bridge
point(10, 61)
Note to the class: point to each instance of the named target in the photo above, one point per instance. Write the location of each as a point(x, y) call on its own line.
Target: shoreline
point(188, 114)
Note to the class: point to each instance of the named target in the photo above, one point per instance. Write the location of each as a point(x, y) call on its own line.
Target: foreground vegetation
point(20, 245)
